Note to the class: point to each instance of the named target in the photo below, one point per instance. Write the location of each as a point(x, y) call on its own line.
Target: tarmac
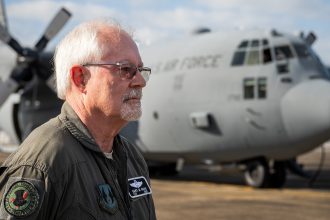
point(202, 200)
point(199, 193)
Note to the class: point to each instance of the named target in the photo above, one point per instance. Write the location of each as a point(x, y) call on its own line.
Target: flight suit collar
point(73, 123)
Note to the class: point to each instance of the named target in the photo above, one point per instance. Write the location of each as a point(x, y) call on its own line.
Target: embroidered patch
point(138, 186)
point(107, 200)
point(22, 199)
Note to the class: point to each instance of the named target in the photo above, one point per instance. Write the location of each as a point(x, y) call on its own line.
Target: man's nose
point(138, 80)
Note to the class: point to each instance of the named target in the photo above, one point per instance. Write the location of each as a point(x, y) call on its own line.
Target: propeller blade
point(3, 17)
point(7, 39)
point(53, 28)
point(4, 35)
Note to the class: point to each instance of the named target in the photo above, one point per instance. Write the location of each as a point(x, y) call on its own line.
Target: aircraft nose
point(306, 113)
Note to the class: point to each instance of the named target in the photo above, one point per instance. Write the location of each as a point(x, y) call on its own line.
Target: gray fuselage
point(233, 97)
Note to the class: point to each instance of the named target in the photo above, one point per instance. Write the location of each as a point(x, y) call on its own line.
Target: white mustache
point(133, 94)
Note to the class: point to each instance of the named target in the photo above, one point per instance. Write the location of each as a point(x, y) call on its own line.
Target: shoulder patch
point(22, 199)
point(138, 186)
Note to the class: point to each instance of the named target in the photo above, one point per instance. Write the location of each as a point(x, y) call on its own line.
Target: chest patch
point(22, 199)
point(107, 200)
point(138, 186)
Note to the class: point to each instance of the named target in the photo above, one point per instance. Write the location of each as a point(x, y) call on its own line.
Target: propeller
point(32, 60)
point(4, 34)
point(32, 74)
point(53, 28)
point(3, 17)
point(7, 39)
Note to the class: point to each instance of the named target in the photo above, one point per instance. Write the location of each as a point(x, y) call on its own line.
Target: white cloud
point(32, 10)
point(288, 16)
point(36, 15)
point(176, 19)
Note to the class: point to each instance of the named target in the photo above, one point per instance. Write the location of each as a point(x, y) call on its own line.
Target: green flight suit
point(59, 172)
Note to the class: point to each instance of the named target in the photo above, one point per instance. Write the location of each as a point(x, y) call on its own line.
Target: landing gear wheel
point(257, 173)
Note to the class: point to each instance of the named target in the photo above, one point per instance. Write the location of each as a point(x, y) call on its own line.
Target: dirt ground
point(200, 194)
point(202, 200)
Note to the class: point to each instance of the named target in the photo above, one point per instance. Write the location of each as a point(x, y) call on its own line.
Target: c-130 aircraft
point(256, 99)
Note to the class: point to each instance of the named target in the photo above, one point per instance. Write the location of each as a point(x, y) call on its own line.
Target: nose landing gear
point(260, 173)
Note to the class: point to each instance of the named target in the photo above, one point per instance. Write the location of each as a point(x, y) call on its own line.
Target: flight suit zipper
point(113, 171)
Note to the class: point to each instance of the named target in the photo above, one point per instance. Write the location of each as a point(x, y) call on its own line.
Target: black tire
point(257, 173)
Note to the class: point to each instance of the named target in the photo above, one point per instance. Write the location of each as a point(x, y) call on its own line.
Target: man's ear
point(78, 77)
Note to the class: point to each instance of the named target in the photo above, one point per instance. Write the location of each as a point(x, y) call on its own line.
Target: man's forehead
point(120, 47)
point(124, 56)
point(114, 35)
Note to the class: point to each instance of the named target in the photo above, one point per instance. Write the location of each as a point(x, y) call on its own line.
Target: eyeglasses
point(126, 70)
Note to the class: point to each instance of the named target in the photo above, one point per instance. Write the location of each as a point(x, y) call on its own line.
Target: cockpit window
point(243, 44)
point(253, 57)
point(267, 56)
point(265, 42)
point(253, 52)
point(301, 50)
point(238, 58)
point(255, 43)
point(283, 52)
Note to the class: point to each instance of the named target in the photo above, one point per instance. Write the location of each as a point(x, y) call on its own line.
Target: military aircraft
point(255, 99)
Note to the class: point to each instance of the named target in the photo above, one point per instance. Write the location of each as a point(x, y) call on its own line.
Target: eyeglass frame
point(142, 70)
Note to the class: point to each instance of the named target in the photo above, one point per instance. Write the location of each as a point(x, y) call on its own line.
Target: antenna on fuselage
point(310, 39)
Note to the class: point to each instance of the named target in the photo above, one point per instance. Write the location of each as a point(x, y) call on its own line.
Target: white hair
point(84, 44)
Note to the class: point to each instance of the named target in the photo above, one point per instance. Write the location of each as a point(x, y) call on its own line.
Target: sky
point(162, 20)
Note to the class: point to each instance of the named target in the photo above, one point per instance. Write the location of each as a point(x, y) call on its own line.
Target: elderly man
point(76, 166)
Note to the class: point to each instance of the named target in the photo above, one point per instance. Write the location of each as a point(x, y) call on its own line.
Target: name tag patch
point(138, 186)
